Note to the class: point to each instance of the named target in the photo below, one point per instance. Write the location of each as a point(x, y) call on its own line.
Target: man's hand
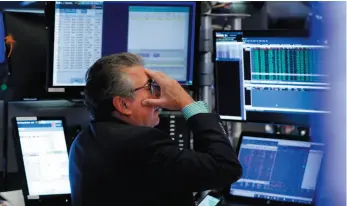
point(172, 95)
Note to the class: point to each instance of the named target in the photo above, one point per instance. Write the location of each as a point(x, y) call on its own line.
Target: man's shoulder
point(110, 137)
point(125, 132)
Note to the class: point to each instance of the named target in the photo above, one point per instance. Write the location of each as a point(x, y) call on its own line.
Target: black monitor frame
point(77, 92)
point(298, 119)
point(62, 198)
point(254, 201)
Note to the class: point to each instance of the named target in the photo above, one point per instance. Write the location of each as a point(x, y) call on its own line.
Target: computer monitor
point(162, 33)
point(2, 36)
point(270, 76)
point(43, 156)
point(277, 169)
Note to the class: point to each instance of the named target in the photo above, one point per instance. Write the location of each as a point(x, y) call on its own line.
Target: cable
point(9, 41)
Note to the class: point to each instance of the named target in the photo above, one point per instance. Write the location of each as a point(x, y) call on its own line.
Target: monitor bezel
point(269, 117)
point(73, 92)
point(21, 168)
point(259, 201)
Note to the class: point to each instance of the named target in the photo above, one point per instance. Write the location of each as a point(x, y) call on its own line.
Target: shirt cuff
point(195, 108)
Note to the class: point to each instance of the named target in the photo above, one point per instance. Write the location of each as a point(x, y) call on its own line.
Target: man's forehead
point(133, 69)
point(136, 71)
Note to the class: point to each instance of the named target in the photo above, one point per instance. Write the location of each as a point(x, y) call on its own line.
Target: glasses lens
point(156, 89)
point(151, 86)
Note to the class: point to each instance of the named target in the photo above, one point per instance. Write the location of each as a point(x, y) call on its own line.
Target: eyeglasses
point(151, 86)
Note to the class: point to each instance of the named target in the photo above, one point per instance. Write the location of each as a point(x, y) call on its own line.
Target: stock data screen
point(161, 32)
point(278, 169)
point(280, 78)
point(45, 157)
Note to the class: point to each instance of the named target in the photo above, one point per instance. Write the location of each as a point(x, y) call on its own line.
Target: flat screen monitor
point(43, 156)
point(278, 170)
point(270, 76)
point(162, 33)
point(2, 36)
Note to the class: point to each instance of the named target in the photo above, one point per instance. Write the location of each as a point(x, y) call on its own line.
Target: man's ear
point(121, 106)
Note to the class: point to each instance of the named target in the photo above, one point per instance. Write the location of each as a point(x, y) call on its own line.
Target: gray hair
point(105, 80)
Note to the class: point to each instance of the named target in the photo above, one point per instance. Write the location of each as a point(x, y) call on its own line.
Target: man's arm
point(213, 164)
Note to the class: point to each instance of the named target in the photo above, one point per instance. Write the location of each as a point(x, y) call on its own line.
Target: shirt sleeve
point(195, 108)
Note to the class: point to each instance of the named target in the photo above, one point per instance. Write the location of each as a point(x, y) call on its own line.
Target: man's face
point(141, 115)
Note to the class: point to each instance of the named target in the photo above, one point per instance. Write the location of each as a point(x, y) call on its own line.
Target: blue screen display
point(42, 125)
point(277, 169)
point(281, 78)
point(2, 36)
point(162, 33)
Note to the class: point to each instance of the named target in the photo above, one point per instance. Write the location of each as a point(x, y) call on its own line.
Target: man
point(122, 160)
